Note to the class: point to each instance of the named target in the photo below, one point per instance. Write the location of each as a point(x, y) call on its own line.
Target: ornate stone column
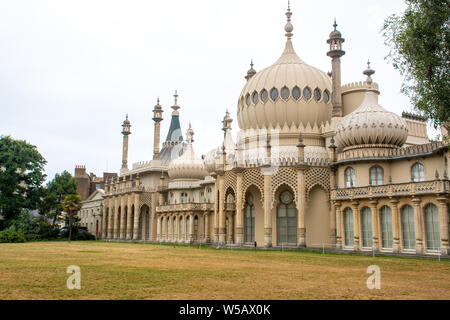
point(222, 217)
point(339, 225)
point(116, 218)
point(207, 235)
point(129, 217)
point(239, 210)
point(267, 207)
point(333, 227)
point(153, 218)
point(301, 231)
point(375, 225)
point(158, 229)
point(443, 225)
point(191, 227)
point(231, 218)
point(418, 225)
point(104, 209)
point(136, 216)
point(356, 225)
point(123, 217)
point(395, 225)
point(111, 216)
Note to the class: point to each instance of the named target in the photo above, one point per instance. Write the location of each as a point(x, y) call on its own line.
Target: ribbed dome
point(188, 166)
point(371, 124)
point(290, 91)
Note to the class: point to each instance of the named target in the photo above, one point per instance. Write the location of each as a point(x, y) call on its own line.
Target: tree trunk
point(70, 226)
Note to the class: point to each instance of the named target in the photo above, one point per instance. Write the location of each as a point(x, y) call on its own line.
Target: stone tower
point(157, 117)
point(335, 54)
point(126, 132)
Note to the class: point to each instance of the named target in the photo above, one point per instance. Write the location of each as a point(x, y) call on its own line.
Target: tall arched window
point(348, 227)
point(376, 176)
point(188, 228)
point(386, 228)
point(196, 228)
point(167, 228)
point(174, 230)
point(409, 236)
point(349, 178)
point(286, 219)
point(366, 227)
point(249, 219)
point(417, 172)
point(432, 227)
point(184, 197)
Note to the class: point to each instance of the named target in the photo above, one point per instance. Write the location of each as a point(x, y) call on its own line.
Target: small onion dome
point(335, 34)
point(372, 125)
point(188, 166)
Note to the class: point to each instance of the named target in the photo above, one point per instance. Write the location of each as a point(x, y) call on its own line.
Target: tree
point(21, 176)
point(55, 193)
point(71, 205)
point(419, 42)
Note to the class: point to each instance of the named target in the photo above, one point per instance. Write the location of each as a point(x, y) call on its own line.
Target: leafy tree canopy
point(419, 42)
point(21, 176)
point(56, 190)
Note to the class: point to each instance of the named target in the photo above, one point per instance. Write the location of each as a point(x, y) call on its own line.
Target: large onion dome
point(188, 166)
point(288, 92)
point(371, 124)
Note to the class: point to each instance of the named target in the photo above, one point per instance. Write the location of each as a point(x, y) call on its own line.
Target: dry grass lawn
point(146, 271)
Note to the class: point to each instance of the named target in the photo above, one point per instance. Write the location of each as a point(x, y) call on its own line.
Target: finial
point(369, 72)
point(175, 107)
point(289, 27)
point(157, 101)
point(335, 24)
point(126, 116)
point(190, 134)
point(251, 64)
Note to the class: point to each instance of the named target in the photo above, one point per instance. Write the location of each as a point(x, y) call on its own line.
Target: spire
point(369, 72)
point(289, 27)
point(251, 72)
point(175, 106)
point(190, 134)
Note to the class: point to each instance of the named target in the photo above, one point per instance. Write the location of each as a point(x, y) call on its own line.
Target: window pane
point(386, 227)
point(296, 93)
point(366, 220)
point(307, 93)
point(409, 237)
point(432, 227)
point(274, 94)
point(285, 93)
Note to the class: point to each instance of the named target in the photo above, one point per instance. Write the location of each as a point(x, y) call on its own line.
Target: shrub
point(11, 235)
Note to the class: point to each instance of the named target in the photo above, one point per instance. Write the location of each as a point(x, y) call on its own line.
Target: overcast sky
point(71, 70)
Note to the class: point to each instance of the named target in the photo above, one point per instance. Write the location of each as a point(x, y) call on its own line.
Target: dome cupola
point(188, 166)
point(288, 92)
point(370, 125)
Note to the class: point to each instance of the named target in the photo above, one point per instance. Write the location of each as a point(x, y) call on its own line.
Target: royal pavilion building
point(315, 164)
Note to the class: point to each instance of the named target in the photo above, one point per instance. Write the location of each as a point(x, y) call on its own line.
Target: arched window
point(376, 176)
point(417, 172)
point(349, 178)
point(432, 227)
point(386, 228)
point(167, 228)
point(247, 99)
point(409, 236)
point(209, 195)
point(286, 219)
point(255, 97)
point(174, 230)
point(264, 95)
point(184, 197)
point(249, 219)
point(285, 93)
point(348, 227)
point(366, 227)
point(196, 228)
point(188, 228)
point(296, 93)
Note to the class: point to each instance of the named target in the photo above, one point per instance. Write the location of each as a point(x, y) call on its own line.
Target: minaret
point(157, 117)
point(335, 54)
point(126, 132)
